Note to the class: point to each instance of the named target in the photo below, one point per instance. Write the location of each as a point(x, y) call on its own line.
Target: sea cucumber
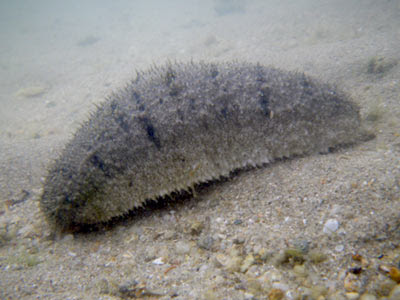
point(181, 124)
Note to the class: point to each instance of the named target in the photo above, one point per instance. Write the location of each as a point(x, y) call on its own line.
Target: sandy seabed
point(316, 227)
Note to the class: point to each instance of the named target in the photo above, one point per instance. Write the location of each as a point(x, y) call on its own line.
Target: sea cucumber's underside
point(182, 124)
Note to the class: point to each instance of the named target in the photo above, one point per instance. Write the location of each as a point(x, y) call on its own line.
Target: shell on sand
point(181, 124)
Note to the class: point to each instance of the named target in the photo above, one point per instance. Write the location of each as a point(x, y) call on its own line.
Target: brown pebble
point(196, 228)
point(385, 287)
point(275, 294)
point(354, 185)
point(356, 257)
point(351, 283)
point(352, 296)
point(394, 274)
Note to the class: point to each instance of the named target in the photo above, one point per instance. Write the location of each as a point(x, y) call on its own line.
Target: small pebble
point(204, 268)
point(351, 283)
point(272, 276)
point(68, 238)
point(103, 286)
point(237, 222)
point(248, 296)
point(210, 294)
point(248, 261)
point(158, 261)
point(318, 292)
point(300, 270)
point(395, 293)
point(196, 228)
point(206, 242)
point(239, 240)
point(182, 247)
point(385, 287)
point(254, 286)
point(170, 234)
point(263, 255)
point(275, 294)
point(233, 264)
point(280, 286)
point(302, 244)
point(72, 254)
point(367, 297)
point(352, 296)
point(339, 248)
point(331, 225)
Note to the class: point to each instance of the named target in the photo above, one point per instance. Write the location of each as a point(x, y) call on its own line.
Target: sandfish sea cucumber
point(182, 124)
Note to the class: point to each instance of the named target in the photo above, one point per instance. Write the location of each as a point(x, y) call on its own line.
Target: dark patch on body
point(224, 102)
point(169, 76)
point(214, 71)
point(264, 101)
point(224, 112)
point(306, 84)
point(192, 104)
point(260, 74)
point(135, 97)
point(181, 115)
point(150, 131)
point(97, 162)
point(174, 90)
point(113, 105)
point(121, 120)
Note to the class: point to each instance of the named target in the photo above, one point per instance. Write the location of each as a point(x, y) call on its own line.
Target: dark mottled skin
point(181, 124)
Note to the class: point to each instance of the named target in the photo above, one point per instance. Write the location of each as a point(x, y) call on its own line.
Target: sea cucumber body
point(182, 124)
